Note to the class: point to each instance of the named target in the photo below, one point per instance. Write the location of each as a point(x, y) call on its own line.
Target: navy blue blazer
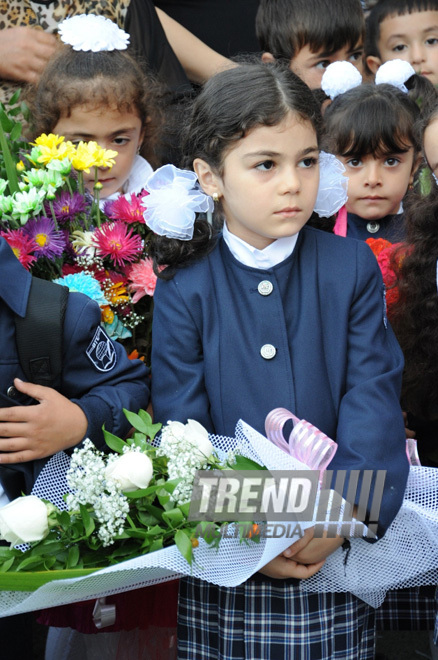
point(336, 362)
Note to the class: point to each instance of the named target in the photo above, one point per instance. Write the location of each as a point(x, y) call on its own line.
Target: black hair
point(106, 78)
point(385, 8)
point(371, 119)
point(230, 105)
point(284, 27)
point(414, 317)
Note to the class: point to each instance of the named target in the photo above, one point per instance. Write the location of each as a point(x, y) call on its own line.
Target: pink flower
point(127, 208)
point(116, 241)
point(142, 279)
point(22, 246)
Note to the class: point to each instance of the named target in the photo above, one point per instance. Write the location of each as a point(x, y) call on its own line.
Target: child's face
point(111, 129)
point(411, 37)
point(376, 186)
point(310, 67)
point(431, 146)
point(269, 183)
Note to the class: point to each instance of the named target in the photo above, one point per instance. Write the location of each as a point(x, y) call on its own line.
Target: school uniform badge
point(101, 351)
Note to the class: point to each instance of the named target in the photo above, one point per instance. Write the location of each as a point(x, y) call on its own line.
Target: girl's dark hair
point(415, 315)
point(371, 119)
point(230, 105)
point(106, 78)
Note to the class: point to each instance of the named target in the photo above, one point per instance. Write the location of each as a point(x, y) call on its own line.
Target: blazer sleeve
point(101, 389)
point(370, 432)
point(178, 382)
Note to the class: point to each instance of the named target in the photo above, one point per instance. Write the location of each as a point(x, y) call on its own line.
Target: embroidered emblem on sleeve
point(101, 351)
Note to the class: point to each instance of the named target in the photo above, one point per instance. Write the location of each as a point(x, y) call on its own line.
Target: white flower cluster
point(187, 449)
point(85, 478)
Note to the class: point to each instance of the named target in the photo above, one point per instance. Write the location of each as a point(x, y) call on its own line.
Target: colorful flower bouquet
point(59, 232)
point(124, 523)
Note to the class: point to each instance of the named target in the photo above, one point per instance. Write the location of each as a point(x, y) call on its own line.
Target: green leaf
point(16, 132)
point(73, 556)
point(6, 565)
point(156, 544)
point(113, 442)
point(174, 517)
point(33, 580)
point(88, 521)
point(184, 545)
point(11, 171)
point(243, 463)
point(14, 98)
point(6, 123)
point(142, 422)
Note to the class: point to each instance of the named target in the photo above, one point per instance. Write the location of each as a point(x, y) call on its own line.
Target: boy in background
point(405, 30)
point(311, 34)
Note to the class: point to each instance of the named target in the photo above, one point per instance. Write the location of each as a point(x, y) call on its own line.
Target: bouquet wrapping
point(406, 556)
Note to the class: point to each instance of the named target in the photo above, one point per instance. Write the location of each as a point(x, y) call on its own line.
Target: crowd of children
point(265, 305)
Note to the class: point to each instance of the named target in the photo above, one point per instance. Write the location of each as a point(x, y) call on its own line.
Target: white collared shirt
point(140, 173)
point(269, 257)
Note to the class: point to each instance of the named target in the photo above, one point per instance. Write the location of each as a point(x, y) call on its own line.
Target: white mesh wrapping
point(406, 556)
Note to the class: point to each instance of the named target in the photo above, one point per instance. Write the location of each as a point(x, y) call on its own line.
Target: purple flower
point(67, 207)
point(47, 240)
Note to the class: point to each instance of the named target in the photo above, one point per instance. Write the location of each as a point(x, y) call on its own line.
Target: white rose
point(197, 435)
point(177, 429)
point(131, 471)
point(24, 520)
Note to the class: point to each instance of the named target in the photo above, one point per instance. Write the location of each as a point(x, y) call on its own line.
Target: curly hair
point(112, 79)
point(415, 316)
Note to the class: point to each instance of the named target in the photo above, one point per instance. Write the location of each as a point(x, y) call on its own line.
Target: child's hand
point(308, 550)
point(281, 568)
point(31, 432)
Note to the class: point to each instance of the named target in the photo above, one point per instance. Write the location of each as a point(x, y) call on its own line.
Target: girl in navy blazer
point(273, 313)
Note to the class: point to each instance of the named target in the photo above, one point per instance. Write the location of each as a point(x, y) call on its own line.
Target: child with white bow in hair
point(370, 128)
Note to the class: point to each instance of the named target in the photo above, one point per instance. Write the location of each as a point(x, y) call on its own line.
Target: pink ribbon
point(412, 452)
point(306, 443)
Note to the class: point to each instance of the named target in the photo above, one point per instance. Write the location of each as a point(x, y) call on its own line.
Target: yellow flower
point(21, 166)
point(90, 154)
point(50, 141)
point(116, 293)
point(84, 158)
point(53, 147)
point(107, 314)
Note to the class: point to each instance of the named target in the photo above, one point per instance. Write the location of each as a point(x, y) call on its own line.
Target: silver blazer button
point(268, 351)
point(265, 288)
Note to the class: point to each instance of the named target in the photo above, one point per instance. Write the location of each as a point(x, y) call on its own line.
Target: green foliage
point(11, 141)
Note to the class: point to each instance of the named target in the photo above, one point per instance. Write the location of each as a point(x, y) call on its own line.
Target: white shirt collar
point(140, 173)
point(248, 255)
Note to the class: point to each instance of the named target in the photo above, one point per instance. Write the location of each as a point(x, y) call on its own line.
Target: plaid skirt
point(408, 609)
point(271, 620)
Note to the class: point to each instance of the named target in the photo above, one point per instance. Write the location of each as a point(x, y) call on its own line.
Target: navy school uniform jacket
point(318, 344)
point(101, 388)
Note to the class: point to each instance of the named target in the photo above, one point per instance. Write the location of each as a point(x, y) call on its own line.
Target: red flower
point(22, 246)
point(377, 245)
point(116, 241)
point(127, 208)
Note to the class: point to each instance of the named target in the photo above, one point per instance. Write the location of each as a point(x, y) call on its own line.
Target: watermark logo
point(285, 497)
